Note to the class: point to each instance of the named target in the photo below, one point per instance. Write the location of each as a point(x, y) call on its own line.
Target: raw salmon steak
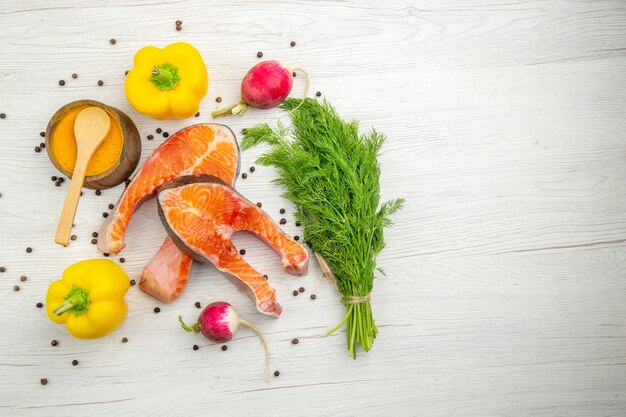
point(201, 213)
point(199, 149)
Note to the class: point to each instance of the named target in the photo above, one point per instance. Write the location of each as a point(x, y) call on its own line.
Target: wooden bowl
point(131, 149)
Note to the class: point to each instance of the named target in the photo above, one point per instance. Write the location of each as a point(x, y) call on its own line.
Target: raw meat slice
point(198, 149)
point(165, 277)
point(201, 213)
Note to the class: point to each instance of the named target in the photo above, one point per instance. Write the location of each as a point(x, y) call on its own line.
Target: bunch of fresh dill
point(331, 173)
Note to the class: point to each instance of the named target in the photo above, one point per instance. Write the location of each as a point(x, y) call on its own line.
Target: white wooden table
point(506, 283)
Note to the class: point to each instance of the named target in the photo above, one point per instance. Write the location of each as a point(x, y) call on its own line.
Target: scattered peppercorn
point(42, 134)
point(74, 362)
point(282, 211)
point(61, 83)
point(16, 288)
point(294, 74)
point(165, 134)
point(318, 94)
point(100, 83)
point(218, 99)
point(54, 178)
point(73, 237)
point(276, 373)
point(133, 282)
point(54, 342)
point(106, 254)
point(42, 145)
point(98, 192)
point(105, 215)
point(178, 23)
point(244, 175)
point(111, 206)
point(23, 278)
point(259, 205)
point(2, 269)
point(74, 76)
point(57, 183)
point(157, 309)
point(198, 305)
point(126, 72)
point(124, 339)
point(265, 276)
point(29, 249)
point(94, 241)
point(242, 252)
point(159, 130)
point(259, 54)
point(112, 41)
point(293, 43)
point(3, 116)
point(122, 260)
point(252, 169)
point(224, 348)
point(127, 181)
point(37, 149)
point(179, 28)
point(43, 381)
point(313, 296)
point(196, 347)
point(283, 221)
point(296, 238)
point(39, 305)
point(295, 293)
point(150, 137)
point(298, 223)
point(197, 114)
point(295, 341)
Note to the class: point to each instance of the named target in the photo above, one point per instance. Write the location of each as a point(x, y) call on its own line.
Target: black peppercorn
point(43, 381)
point(111, 206)
point(196, 347)
point(301, 289)
point(74, 362)
point(282, 211)
point(218, 99)
point(124, 339)
point(112, 41)
point(165, 134)
point(54, 342)
point(105, 215)
point(23, 278)
point(159, 130)
point(242, 251)
point(73, 237)
point(39, 305)
point(157, 309)
point(298, 223)
point(61, 83)
point(29, 249)
point(98, 192)
point(224, 348)
point(293, 43)
point(318, 94)
point(3, 116)
point(179, 28)
point(296, 238)
point(100, 83)
point(106, 254)
point(265, 276)
point(313, 296)
point(74, 76)
point(295, 293)
point(276, 373)
point(133, 282)
point(259, 204)
point(122, 260)
point(94, 234)
point(37, 149)
point(244, 175)
point(283, 221)
point(252, 169)
point(16, 288)
point(294, 341)
point(42, 134)
point(2, 269)
point(94, 241)
point(197, 114)
point(54, 178)
point(197, 304)
point(259, 54)
point(150, 137)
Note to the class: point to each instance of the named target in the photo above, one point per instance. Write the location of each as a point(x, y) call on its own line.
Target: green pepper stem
point(76, 300)
point(186, 328)
point(164, 77)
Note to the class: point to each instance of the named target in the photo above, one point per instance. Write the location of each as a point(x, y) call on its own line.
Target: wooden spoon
point(90, 128)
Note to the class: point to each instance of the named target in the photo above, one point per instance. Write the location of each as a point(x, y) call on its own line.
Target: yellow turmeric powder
point(63, 146)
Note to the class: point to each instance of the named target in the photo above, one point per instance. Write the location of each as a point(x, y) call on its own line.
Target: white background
point(505, 293)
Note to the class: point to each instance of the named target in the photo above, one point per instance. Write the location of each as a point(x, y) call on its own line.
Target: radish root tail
point(263, 341)
point(306, 90)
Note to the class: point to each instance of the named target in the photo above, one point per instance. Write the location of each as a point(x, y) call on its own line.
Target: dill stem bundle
point(331, 174)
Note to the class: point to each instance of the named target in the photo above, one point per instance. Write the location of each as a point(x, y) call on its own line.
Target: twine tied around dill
point(326, 271)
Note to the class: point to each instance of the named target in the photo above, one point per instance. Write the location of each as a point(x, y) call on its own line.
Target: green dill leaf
point(331, 173)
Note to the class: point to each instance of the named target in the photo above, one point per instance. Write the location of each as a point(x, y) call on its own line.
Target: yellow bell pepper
point(167, 83)
point(89, 298)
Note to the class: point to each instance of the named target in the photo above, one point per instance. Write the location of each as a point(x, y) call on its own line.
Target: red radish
point(219, 321)
point(265, 86)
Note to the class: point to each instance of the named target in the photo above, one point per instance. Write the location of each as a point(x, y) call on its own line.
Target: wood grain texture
point(506, 270)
